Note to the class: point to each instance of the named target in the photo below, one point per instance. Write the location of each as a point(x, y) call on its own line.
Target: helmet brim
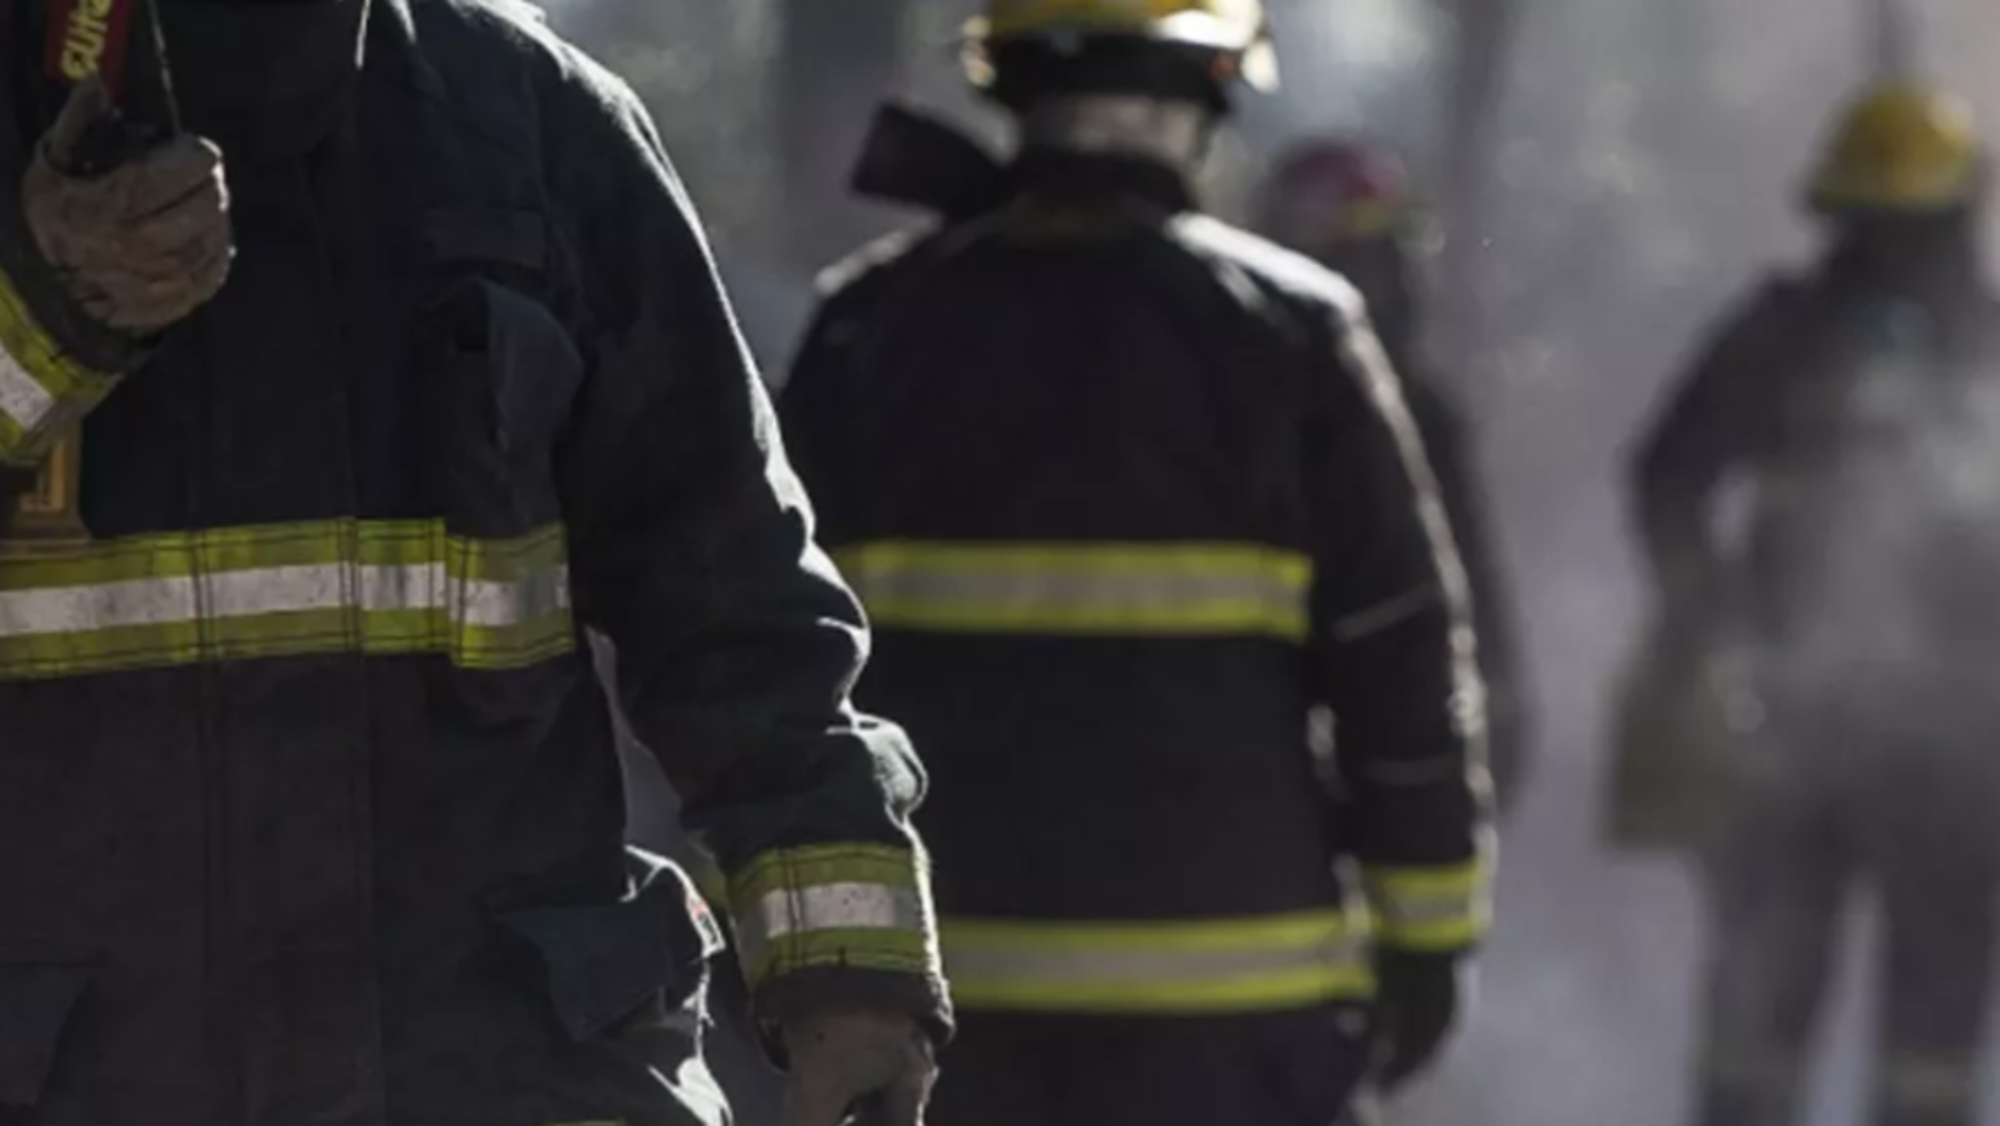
point(1257, 65)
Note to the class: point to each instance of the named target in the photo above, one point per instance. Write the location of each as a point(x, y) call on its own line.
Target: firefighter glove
point(1420, 1003)
point(138, 247)
point(868, 1068)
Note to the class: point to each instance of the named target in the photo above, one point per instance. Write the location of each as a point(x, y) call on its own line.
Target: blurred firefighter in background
point(1128, 494)
point(1351, 207)
point(1817, 704)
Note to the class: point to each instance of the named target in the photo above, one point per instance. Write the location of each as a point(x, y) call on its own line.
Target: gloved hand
point(138, 247)
point(878, 1067)
point(1420, 1000)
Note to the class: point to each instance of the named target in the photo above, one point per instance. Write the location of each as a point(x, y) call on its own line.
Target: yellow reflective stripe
point(42, 389)
point(1015, 17)
point(1445, 908)
point(379, 588)
point(384, 543)
point(1199, 589)
point(866, 906)
point(1158, 966)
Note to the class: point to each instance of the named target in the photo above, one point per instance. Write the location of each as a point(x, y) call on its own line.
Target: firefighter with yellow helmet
point(1816, 707)
point(1129, 495)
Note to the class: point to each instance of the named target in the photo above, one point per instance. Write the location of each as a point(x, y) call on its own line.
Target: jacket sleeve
point(1395, 658)
point(692, 550)
point(1502, 662)
point(1706, 425)
point(814, 411)
point(56, 364)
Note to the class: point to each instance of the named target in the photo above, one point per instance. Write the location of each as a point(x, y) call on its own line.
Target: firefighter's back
point(1070, 490)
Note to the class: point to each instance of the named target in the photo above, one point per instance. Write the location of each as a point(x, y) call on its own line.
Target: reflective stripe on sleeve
point(1158, 967)
point(42, 390)
point(23, 400)
point(1430, 909)
point(1944, 1084)
point(1192, 589)
point(379, 588)
point(862, 906)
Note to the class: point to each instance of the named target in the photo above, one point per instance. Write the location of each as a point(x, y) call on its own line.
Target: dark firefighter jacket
point(309, 805)
point(1450, 444)
point(1394, 305)
point(1127, 493)
point(1812, 497)
point(1385, 269)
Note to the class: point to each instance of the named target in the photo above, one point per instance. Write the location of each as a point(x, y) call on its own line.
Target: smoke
point(1651, 160)
point(1648, 162)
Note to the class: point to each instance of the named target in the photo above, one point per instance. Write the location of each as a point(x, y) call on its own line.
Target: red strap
point(89, 37)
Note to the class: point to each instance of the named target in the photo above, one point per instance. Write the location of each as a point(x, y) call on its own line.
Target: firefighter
point(1350, 206)
point(399, 370)
point(1832, 658)
point(1128, 494)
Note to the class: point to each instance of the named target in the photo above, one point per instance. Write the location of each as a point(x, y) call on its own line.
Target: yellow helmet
point(1901, 147)
point(1237, 27)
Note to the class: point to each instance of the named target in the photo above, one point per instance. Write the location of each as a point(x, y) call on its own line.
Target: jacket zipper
point(221, 934)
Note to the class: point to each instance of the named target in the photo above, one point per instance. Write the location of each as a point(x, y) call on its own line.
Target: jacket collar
point(266, 82)
point(1101, 175)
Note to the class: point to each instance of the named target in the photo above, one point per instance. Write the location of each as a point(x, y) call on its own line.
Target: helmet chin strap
point(1170, 131)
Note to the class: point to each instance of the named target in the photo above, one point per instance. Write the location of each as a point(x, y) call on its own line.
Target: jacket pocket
point(633, 962)
point(1315, 1061)
point(508, 373)
point(35, 1005)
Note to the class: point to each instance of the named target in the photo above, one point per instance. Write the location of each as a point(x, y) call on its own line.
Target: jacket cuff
point(807, 993)
point(1443, 909)
point(46, 387)
point(841, 924)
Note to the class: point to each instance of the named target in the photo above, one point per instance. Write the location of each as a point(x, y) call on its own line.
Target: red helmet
point(1332, 191)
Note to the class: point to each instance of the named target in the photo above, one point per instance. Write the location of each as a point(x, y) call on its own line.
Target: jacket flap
point(516, 238)
point(35, 1003)
point(607, 961)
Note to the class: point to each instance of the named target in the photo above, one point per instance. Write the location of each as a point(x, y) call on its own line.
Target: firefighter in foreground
point(309, 810)
point(1351, 207)
point(1128, 494)
point(1829, 672)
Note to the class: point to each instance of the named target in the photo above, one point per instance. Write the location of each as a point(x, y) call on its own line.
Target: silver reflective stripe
point(1431, 905)
point(827, 907)
point(282, 590)
point(1363, 624)
point(1434, 908)
point(22, 397)
point(495, 604)
point(1098, 968)
point(850, 906)
point(1087, 593)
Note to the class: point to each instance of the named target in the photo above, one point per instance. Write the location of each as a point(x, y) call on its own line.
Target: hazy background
point(1630, 171)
